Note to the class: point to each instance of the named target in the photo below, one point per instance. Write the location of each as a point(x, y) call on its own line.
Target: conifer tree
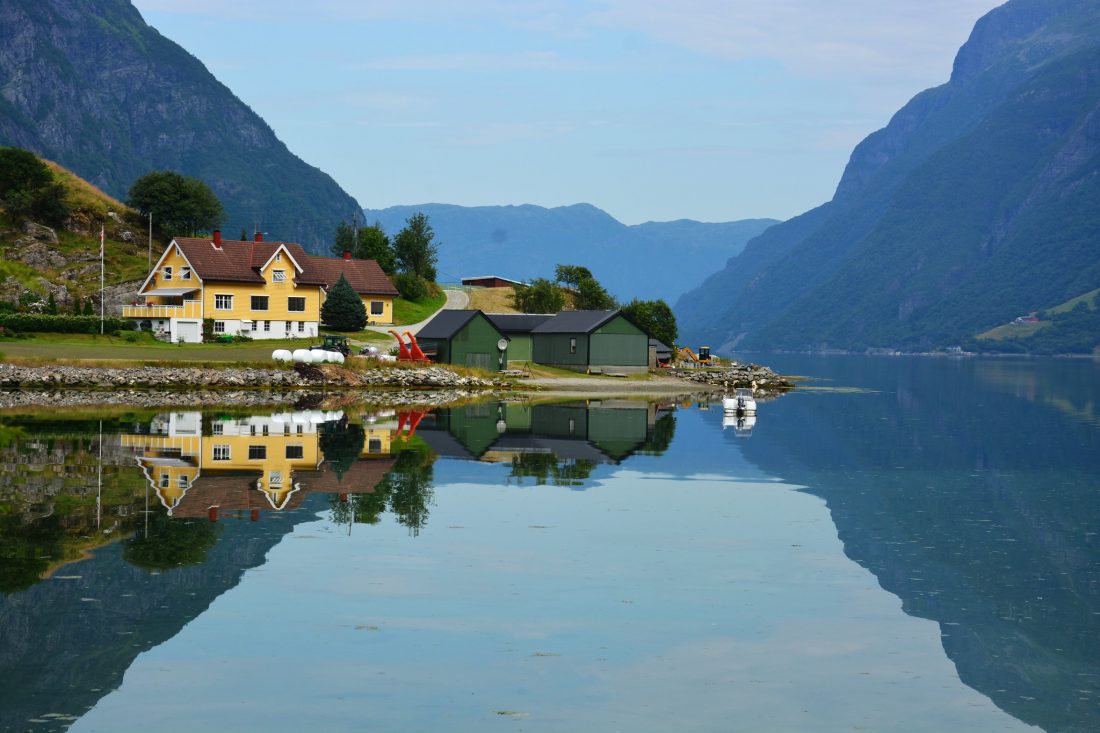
point(343, 309)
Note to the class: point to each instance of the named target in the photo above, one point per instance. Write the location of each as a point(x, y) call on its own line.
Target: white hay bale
point(302, 356)
point(281, 355)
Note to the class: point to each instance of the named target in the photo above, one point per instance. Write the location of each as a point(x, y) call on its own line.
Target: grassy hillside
point(64, 260)
point(1072, 327)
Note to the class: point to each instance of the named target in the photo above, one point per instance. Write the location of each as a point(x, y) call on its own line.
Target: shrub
point(241, 338)
point(44, 323)
point(411, 287)
point(343, 309)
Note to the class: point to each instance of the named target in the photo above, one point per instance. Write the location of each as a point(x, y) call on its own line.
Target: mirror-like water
point(907, 545)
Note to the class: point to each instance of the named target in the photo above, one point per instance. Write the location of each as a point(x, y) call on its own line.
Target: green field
point(55, 346)
point(409, 311)
point(1013, 331)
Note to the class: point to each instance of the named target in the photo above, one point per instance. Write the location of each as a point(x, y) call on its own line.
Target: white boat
point(742, 402)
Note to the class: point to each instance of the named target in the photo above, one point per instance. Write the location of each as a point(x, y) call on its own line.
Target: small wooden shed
point(467, 338)
point(591, 341)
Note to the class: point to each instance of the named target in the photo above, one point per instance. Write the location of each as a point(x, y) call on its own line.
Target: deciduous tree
point(415, 248)
point(539, 296)
point(180, 205)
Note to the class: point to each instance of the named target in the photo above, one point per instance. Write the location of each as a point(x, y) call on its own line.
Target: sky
point(713, 110)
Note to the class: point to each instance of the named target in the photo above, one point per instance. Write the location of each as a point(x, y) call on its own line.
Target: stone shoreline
point(240, 378)
point(764, 381)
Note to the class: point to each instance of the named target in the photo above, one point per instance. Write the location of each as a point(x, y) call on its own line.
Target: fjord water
point(906, 545)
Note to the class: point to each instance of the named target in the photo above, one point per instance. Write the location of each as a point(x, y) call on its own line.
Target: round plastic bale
point(281, 355)
point(338, 358)
point(302, 356)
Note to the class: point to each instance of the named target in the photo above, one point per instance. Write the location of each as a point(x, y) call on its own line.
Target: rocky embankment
point(763, 380)
point(331, 376)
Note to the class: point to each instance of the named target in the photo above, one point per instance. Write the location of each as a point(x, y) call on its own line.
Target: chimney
point(347, 254)
point(259, 237)
point(217, 239)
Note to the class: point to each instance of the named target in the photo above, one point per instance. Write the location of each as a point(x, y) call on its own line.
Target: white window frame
point(218, 302)
point(252, 303)
point(164, 480)
point(219, 326)
point(293, 298)
point(261, 449)
point(278, 276)
point(222, 453)
point(167, 272)
point(267, 326)
point(185, 273)
point(181, 481)
point(299, 448)
point(380, 305)
point(301, 326)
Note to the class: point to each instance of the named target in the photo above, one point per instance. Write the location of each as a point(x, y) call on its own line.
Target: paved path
point(456, 300)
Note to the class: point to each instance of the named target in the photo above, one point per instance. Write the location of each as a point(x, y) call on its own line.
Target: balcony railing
point(189, 309)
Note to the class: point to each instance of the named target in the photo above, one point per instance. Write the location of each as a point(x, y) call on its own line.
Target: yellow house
point(266, 290)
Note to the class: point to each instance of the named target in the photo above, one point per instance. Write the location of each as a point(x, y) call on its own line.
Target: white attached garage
point(188, 331)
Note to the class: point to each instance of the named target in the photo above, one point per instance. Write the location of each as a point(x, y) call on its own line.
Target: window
point(252, 326)
point(276, 478)
point(219, 326)
point(298, 429)
point(278, 256)
point(301, 326)
point(278, 276)
point(296, 305)
point(257, 452)
point(374, 445)
point(217, 429)
point(266, 431)
point(221, 452)
point(259, 302)
point(223, 302)
point(164, 481)
point(251, 429)
point(267, 325)
point(572, 345)
point(289, 325)
point(167, 272)
point(377, 307)
point(182, 482)
point(295, 451)
point(185, 273)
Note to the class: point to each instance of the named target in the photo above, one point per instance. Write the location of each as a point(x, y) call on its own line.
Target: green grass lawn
point(410, 311)
point(1013, 331)
point(52, 346)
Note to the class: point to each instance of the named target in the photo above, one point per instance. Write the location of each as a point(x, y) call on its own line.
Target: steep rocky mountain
point(650, 260)
point(976, 203)
point(89, 84)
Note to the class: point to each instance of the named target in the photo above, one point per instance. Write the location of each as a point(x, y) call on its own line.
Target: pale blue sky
point(699, 109)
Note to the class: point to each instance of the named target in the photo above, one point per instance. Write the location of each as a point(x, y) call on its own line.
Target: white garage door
point(190, 331)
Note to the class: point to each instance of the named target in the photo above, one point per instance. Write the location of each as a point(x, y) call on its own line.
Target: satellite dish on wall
point(502, 344)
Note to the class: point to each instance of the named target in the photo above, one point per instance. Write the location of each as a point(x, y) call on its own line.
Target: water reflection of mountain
point(977, 506)
point(559, 443)
point(69, 640)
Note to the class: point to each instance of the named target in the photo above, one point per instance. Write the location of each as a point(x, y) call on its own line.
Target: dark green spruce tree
point(343, 309)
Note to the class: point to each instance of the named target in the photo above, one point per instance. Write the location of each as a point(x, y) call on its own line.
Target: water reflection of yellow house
point(251, 463)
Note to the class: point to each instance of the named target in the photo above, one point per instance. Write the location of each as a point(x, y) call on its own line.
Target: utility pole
point(354, 232)
point(150, 241)
point(102, 247)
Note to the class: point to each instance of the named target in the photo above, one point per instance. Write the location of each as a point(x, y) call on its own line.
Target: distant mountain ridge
point(650, 260)
point(974, 204)
point(89, 84)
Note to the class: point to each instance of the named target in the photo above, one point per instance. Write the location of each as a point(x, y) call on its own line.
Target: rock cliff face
point(934, 229)
point(89, 84)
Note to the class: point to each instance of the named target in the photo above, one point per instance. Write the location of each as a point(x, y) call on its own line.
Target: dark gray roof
point(661, 347)
point(575, 322)
point(446, 324)
point(518, 322)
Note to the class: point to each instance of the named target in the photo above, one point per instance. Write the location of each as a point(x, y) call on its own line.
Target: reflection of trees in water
point(26, 549)
point(406, 490)
point(547, 468)
point(660, 436)
point(171, 543)
point(342, 444)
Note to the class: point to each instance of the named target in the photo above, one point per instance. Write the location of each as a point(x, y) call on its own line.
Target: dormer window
point(167, 272)
point(278, 276)
point(278, 256)
point(185, 273)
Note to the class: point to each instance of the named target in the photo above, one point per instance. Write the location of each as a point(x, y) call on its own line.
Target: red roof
point(365, 276)
point(240, 261)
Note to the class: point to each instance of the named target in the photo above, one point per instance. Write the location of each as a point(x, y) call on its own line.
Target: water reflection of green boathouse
point(606, 431)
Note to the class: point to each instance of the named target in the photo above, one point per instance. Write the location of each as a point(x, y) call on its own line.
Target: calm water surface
point(908, 545)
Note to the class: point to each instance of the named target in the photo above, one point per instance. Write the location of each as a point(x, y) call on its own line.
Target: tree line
point(575, 285)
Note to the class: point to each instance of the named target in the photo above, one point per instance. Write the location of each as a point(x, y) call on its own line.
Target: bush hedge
point(44, 323)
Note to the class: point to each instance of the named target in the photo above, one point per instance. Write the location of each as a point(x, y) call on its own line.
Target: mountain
point(651, 260)
point(89, 84)
point(976, 203)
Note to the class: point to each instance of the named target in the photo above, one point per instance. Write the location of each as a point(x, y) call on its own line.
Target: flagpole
point(102, 235)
